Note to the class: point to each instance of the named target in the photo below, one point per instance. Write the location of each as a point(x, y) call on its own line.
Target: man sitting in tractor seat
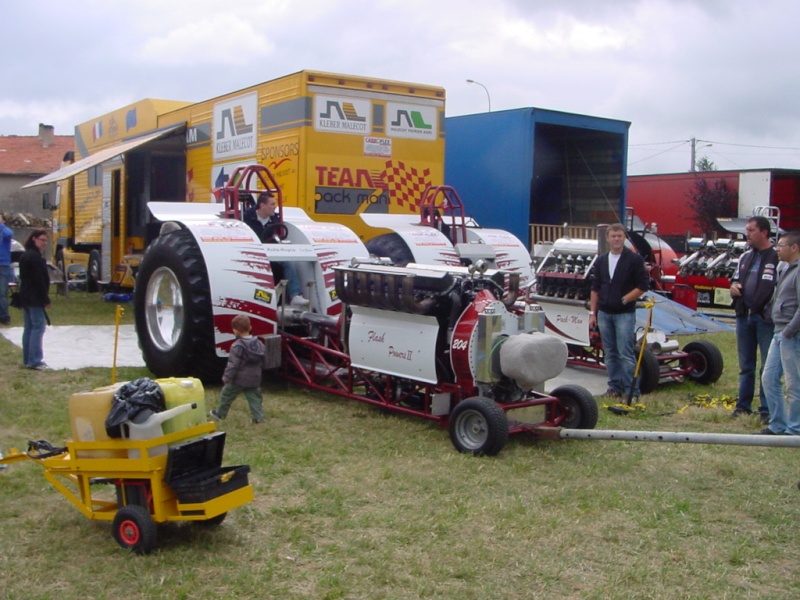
point(262, 219)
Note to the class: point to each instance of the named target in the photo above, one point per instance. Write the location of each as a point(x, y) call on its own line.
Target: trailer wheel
point(649, 372)
point(93, 272)
point(134, 529)
point(478, 426)
point(172, 307)
point(213, 521)
point(706, 361)
point(579, 406)
point(392, 246)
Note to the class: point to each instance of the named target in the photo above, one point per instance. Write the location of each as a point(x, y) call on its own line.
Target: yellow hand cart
point(136, 485)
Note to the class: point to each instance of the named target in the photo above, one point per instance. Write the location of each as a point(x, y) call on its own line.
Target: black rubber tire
point(579, 405)
point(392, 246)
point(93, 271)
point(212, 522)
point(707, 360)
point(190, 349)
point(649, 372)
point(478, 426)
point(134, 529)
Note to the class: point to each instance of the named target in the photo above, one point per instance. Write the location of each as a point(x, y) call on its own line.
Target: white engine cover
point(394, 343)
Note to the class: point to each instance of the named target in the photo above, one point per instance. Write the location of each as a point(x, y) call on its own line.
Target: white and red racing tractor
point(450, 343)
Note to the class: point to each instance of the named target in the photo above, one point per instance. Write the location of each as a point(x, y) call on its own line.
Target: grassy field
point(355, 503)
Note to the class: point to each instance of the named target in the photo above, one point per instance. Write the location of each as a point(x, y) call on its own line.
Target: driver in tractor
point(262, 219)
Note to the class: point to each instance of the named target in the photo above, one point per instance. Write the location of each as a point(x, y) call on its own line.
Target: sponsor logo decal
point(235, 126)
point(342, 115)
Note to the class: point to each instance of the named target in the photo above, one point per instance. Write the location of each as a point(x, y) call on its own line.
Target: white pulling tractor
point(449, 343)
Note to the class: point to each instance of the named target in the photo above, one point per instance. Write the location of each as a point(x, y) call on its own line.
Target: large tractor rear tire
point(392, 246)
point(172, 306)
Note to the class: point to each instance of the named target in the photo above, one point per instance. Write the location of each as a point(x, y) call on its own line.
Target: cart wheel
point(134, 529)
point(579, 406)
point(706, 359)
point(649, 372)
point(478, 426)
point(213, 521)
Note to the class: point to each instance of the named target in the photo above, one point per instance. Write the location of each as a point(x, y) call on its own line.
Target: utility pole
point(694, 154)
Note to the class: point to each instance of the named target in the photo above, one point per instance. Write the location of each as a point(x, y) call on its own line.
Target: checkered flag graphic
point(406, 185)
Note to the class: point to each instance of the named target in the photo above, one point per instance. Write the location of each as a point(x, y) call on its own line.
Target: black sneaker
point(739, 412)
point(767, 431)
point(764, 419)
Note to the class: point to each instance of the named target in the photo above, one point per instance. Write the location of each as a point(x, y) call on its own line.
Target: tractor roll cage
point(242, 188)
point(440, 204)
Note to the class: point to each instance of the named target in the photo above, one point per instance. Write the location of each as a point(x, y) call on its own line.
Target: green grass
point(355, 503)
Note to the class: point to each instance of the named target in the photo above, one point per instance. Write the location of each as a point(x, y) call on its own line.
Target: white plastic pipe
point(728, 439)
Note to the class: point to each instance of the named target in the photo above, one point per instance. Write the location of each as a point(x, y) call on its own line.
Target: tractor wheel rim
point(129, 532)
point(164, 309)
point(471, 429)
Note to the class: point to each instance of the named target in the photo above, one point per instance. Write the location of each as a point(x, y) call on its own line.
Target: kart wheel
point(478, 426)
point(173, 310)
point(579, 406)
point(134, 529)
point(649, 372)
point(705, 359)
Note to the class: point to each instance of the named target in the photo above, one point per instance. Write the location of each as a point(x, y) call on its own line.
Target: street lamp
point(488, 97)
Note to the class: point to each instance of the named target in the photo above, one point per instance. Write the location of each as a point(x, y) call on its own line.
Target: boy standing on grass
point(243, 372)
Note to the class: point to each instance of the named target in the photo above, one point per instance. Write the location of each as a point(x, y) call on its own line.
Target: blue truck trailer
point(515, 168)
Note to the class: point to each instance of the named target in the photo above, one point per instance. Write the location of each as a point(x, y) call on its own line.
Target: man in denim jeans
point(751, 290)
point(784, 351)
point(619, 280)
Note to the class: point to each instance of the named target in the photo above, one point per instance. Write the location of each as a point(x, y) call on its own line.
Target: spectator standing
point(619, 280)
point(751, 290)
point(6, 275)
point(34, 297)
point(243, 372)
point(783, 358)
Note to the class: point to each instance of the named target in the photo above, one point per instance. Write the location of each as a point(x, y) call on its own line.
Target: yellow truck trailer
point(338, 145)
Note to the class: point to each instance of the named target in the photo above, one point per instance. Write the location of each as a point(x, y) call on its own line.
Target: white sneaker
point(299, 301)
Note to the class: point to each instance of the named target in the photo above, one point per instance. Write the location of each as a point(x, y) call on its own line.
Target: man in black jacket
point(619, 280)
point(751, 290)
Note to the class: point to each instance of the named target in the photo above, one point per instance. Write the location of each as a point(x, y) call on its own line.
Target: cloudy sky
point(725, 72)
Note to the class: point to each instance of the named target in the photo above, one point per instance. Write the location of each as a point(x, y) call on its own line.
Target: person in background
point(243, 372)
point(263, 221)
point(6, 274)
point(34, 297)
point(783, 358)
point(751, 289)
point(619, 280)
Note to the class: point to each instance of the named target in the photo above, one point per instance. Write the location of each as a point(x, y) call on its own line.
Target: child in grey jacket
point(243, 372)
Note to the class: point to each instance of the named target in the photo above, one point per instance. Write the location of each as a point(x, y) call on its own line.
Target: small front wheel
point(134, 529)
point(706, 361)
point(578, 405)
point(478, 426)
